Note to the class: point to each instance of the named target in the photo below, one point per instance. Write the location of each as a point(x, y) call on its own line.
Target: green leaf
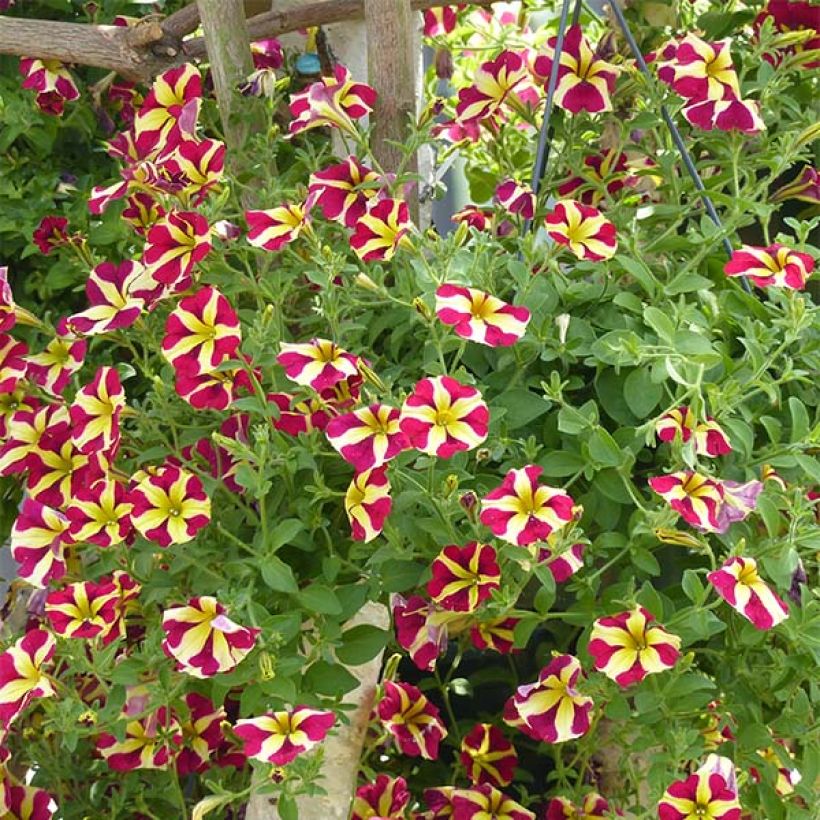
point(688, 283)
point(561, 463)
point(641, 393)
point(809, 465)
point(286, 807)
point(397, 575)
point(660, 322)
point(800, 419)
point(278, 575)
point(693, 589)
point(361, 644)
point(604, 450)
point(522, 407)
point(331, 679)
point(639, 272)
point(545, 597)
point(283, 533)
point(320, 598)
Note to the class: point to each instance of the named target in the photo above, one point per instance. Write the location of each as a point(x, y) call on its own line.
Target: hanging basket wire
point(545, 134)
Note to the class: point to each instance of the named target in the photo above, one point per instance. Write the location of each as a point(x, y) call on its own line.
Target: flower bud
point(469, 503)
point(482, 454)
point(266, 666)
point(450, 485)
point(562, 321)
point(444, 64)
point(364, 281)
point(421, 308)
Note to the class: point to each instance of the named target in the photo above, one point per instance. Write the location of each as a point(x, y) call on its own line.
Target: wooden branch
point(274, 23)
point(137, 52)
point(229, 55)
point(142, 51)
point(391, 71)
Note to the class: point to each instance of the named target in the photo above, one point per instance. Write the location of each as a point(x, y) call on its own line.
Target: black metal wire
point(676, 137)
point(543, 152)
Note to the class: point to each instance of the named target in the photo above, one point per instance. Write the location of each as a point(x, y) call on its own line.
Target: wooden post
point(343, 749)
point(229, 53)
point(391, 66)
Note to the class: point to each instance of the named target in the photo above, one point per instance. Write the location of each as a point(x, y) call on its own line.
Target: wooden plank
point(229, 53)
point(391, 68)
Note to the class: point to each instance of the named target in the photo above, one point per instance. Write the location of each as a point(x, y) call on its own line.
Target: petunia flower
point(8, 316)
point(203, 640)
point(151, 742)
point(51, 81)
point(487, 802)
point(279, 737)
point(342, 192)
point(411, 719)
point(583, 229)
point(22, 675)
point(10, 403)
point(585, 81)
point(439, 801)
point(276, 227)
point(463, 577)
point(482, 219)
point(773, 266)
point(198, 165)
point(699, 795)
point(201, 332)
point(442, 417)
point(788, 16)
point(566, 564)
point(725, 115)
point(52, 233)
point(804, 187)
point(421, 629)
point(83, 610)
point(201, 734)
point(438, 22)
point(174, 245)
point(487, 756)
point(521, 511)
point(57, 470)
point(382, 229)
point(698, 70)
point(786, 778)
point(212, 391)
point(386, 798)
point(368, 437)
point(27, 427)
point(63, 356)
point(480, 317)
point(111, 291)
point(551, 709)
point(170, 506)
point(627, 647)
point(696, 498)
point(333, 102)
point(710, 439)
point(13, 363)
point(318, 363)
point(516, 198)
point(368, 503)
point(142, 211)
point(593, 805)
point(24, 802)
point(497, 85)
point(497, 634)
point(37, 541)
point(295, 416)
point(738, 582)
point(606, 172)
point(170, 111)
point(95, 413)
point(100, 514)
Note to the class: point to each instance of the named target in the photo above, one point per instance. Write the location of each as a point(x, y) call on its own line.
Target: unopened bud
point(562, 321)
point(450, 485)
point(469, 503)
point(266, 669)
point(421, 307)
point(444, 64)
point(461, 234)
point(482, 454)
point(364, 281)
point(369, 375)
